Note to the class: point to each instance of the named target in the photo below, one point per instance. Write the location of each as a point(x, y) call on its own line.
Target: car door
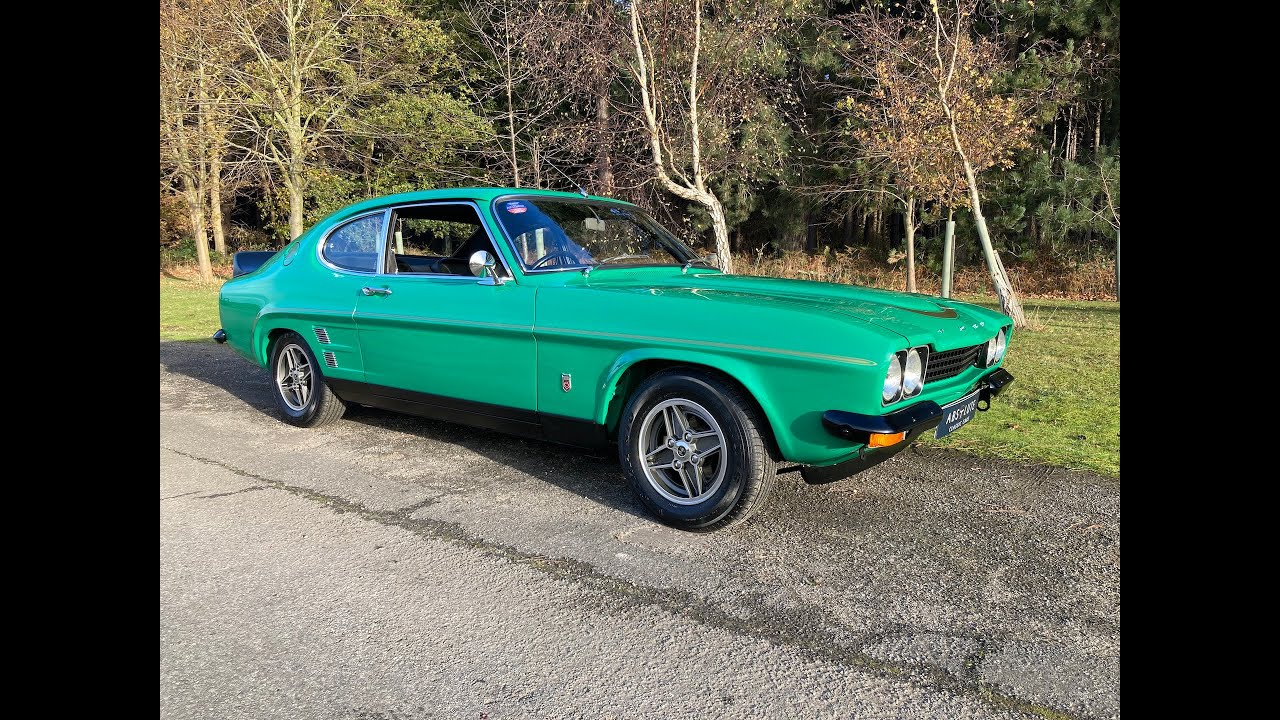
point(431, 333)
point(322, 308)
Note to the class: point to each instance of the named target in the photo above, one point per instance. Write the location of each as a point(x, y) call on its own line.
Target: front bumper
point(913, 420)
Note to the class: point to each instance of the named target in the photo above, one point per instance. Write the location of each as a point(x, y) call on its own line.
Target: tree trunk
point(295, 209)
point(296, 160)
point(720, 230)
point(695, 190)
point(1009, 302)
point(191, 191)
point(511, 122)
point(1072, 135)
point(537, 164)
point(948, 252)
point(909, 216)
point(604, 161)
point(1097, 131)
point(1053, 146)
point(847, 240)
point(215, 205)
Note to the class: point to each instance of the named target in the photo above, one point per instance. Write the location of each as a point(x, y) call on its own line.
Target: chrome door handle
point(375, 291)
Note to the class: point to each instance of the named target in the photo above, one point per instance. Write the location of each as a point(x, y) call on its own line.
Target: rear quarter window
point(355, 245)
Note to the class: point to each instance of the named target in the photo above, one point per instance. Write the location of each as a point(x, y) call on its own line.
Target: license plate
point(957, 414)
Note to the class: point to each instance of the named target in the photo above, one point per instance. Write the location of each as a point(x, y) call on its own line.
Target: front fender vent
point(322, 335)
point(330, 359)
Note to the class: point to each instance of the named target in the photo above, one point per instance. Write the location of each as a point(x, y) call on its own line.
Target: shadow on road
point(577, 471)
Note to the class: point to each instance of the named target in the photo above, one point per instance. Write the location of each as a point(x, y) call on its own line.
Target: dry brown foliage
point(1086, 280)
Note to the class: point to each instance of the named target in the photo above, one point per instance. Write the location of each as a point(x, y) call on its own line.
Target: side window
point(435, 239)
point(354, 246)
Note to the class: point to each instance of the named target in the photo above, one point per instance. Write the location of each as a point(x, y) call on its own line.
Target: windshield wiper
point(587, 270)
point(704, 260)
point(620, 257)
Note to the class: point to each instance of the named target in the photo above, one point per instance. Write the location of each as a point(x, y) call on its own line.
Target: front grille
point(330, 359)
point(950, 363)
point(322, 335)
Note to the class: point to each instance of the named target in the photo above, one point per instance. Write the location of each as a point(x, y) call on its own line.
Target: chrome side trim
point(322, 335)
point(449, 321)
point(330, 359)
point(711, 344)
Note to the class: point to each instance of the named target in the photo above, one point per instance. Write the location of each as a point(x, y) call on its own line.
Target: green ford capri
point(582, 321)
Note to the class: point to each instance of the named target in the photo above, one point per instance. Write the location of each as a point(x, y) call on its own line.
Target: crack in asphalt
point(229, 494)
point(779, 631)
point(193, 492)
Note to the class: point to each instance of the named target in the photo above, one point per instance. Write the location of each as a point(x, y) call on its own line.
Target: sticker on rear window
point(515, 208)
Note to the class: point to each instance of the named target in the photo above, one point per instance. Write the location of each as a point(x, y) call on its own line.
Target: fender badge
point(566, 382)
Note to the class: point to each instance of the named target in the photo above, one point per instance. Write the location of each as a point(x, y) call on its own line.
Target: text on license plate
point(957, 414)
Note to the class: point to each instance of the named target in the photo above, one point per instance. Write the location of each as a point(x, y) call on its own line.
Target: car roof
point(479, 194)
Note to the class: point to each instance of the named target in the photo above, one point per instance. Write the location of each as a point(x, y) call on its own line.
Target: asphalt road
point(390, 567)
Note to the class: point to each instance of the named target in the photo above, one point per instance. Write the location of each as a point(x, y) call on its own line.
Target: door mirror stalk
point(483, 266)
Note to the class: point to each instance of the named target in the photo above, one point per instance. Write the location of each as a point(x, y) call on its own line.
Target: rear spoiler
point(246, 262)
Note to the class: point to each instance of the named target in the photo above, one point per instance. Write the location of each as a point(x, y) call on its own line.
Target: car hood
point(920, 319)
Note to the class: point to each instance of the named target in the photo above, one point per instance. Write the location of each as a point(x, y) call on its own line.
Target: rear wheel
point(695, 450)
point(302, 396)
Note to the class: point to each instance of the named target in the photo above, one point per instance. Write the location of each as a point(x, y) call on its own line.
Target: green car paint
point(799, 348)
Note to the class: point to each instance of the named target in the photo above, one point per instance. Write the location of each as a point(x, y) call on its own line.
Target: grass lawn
point(1064, 405)
point(188, 309)
point(1063, 409)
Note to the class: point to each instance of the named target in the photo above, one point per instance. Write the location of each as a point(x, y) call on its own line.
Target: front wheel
point(302, 396)
point(696, 450)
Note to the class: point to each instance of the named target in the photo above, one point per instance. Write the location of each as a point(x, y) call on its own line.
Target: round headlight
point(912, 374)
point(1002, 344)
point(991, 353)
point(892, 381)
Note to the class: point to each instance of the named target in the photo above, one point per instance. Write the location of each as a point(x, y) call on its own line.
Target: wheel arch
point(266, 330)
point(270, 339)
point(633, 367)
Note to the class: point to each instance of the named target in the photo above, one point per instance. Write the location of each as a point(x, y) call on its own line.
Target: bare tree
point(310, 66)
point(217, 126)
point(184, 142)
point(669, 173)
point(545, 71)
point(891, 113)
point(895, 119)
point(504, 30)
point(955, 49)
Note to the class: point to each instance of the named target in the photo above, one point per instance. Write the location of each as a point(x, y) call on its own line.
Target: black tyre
point(695, 449)
point(301, 394)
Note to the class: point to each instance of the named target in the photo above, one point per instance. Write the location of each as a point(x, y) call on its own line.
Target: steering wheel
point(555, 255)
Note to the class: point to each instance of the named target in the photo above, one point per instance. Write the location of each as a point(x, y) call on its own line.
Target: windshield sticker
point(515, 208)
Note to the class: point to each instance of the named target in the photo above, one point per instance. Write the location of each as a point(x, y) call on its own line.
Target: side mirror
point(482, 266)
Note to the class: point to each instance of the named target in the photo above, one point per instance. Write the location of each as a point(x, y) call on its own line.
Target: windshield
point(552, 234)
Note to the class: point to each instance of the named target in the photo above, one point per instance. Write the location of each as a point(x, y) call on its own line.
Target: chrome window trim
point(324, 241)
point(511, 245)
point(386, 241)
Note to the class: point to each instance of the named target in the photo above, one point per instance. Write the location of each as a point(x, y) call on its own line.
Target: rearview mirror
point(482, 266)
